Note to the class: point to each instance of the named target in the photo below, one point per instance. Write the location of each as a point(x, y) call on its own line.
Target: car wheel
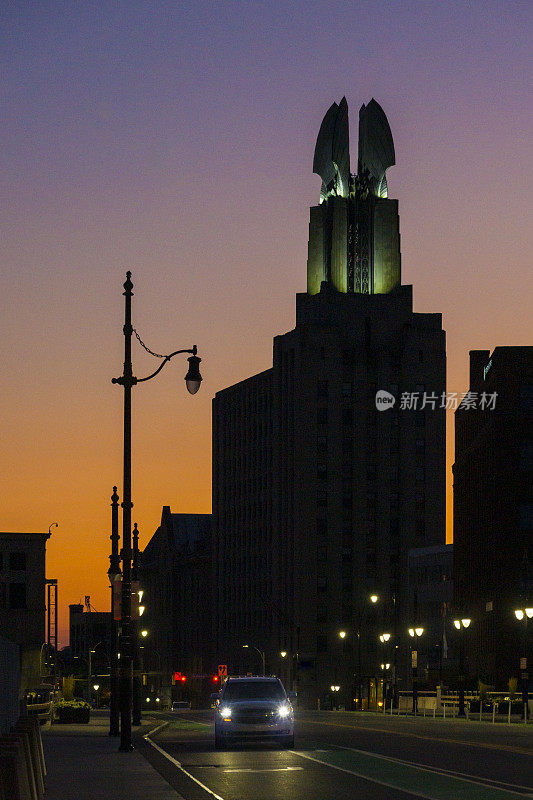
point(287, 742)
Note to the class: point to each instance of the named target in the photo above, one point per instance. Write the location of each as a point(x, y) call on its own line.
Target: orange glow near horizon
point(177, 141)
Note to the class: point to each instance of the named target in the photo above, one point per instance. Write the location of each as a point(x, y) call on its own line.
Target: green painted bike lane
point(423, 782)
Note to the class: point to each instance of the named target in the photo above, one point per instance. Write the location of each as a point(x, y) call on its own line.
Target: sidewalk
point(83, 763)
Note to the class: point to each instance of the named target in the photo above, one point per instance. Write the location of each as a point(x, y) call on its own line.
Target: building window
point(3, 594)
point(17, 595)
point(321, 584)
point(347, 471)
point(321, 552)
point(322, 471)
point(322, 528)
point(322, 498)
point(321, 644)
point(347, 416)
point(420, 474)
point(347, 389)
point(17, 562)
point(322, 389)
point(322, 444)
point(347, 500)
point(322, 416)
point(347, 554)
point(526, 516)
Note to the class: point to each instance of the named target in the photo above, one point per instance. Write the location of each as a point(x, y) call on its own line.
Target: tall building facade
point(22, 601)
point(493, 510)
point(324, 474)
point(175, 575)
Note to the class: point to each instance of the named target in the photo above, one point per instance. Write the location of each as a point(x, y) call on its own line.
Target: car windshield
point(254, 690)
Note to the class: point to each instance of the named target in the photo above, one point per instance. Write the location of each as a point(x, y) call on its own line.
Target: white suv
point(254, 709)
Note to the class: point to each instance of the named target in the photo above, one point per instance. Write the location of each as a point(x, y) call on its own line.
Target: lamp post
point(114, 576)
point(261, 653)
point(96, 686)
point(128, 380)
point(523, 615)
point(136, 700)
point(415, 633)
point(461, 625)
point(373, 600)
point(384, 638)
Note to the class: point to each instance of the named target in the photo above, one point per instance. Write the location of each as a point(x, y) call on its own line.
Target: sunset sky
point(176, 139)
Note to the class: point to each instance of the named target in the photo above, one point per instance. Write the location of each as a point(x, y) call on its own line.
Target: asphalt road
point(343, 756)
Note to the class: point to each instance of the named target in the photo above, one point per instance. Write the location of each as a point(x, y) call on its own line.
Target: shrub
point(73, 711)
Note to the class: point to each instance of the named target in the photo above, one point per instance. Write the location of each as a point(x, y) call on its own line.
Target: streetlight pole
point(373, 600)
point(127, 380)
point(415, 633)
point(261, 653)
point(461, 625)
point(114, 573)
point(137, 716)
point(524, 614)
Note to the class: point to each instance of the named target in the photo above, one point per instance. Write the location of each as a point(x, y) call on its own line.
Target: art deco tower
point(318, 494)
point(354, 233)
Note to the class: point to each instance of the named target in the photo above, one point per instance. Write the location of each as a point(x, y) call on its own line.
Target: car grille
point(254, 716)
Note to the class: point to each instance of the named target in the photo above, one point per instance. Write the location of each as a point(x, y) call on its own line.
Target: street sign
point(414, 656)
point(223, 670)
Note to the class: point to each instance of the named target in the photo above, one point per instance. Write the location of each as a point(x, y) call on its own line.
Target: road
point(343, 756)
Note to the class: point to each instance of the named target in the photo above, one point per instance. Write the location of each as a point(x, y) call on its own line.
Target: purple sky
point(176, 139)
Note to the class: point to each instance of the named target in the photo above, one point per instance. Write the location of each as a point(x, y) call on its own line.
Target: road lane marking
point(449, 789)
point(507, 747)
point(267, 769)
point(177, 763)
point(479, 779)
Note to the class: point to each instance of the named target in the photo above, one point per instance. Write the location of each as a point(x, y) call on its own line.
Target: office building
point(330, 466)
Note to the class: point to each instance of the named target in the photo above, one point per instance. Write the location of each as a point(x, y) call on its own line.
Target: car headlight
point(284, 710)
point(225, 711)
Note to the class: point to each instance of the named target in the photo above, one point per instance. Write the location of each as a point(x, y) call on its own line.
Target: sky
point(176, 139)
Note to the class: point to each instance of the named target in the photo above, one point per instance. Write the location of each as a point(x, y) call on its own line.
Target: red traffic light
point(183, 678)
point(215, 678)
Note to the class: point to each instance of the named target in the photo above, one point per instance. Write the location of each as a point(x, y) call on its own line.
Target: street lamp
point(261, 653)
point(128, 380)
point(373, 598)
point(415, 633)
point(342, 634)
point(461, 625)
point(524, 614)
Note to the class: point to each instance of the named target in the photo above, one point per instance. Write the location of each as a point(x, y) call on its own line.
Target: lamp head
point(374, 598)
point(466, 622)
point(342, 634)
point(193, 378)
point(519, 614)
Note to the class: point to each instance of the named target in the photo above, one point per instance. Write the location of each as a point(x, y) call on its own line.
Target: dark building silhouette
point(175, 575)
point(493, 509)
point(22, 601)
point(90, 630)
point(319, 489)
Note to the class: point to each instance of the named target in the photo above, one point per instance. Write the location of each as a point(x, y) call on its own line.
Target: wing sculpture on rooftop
point(332, 152)
point(376, 146)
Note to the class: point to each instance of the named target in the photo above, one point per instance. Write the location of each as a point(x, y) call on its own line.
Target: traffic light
point(215, 678)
